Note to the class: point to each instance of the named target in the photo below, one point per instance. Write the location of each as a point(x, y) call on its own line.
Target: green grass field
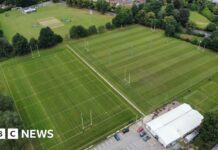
point(51, 92)
point(28, 24)
point(160, 69)
point(199, 20)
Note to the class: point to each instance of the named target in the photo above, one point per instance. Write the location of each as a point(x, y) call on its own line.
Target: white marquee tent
point(174, 124)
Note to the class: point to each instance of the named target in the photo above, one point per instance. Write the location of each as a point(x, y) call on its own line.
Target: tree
point(101, 29)
point(178, 4)
point(33, 43)
point(78, 32)
point(123, 17)
point(170, 30)
point(209, 130)
point(1, 33)
point(169, 9)
point(109, 26)
point(6, 103)
point(184, 16)
point(149, 17)
point(154, 6)
point(92, 30)
point(10, 119)
point(140, 17)
point(47, 38)
point(211, 41)
point(211, 27)
point(171, 25)
point(20, 44)
point(102, 6)
point(190, 26)
point(134, 9)
point(6, 48)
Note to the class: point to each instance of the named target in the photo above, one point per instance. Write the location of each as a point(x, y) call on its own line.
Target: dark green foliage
point(209, 130)
point(22, 3)
point(170, 30)
point(123, 17)
point(102, 6)
point(78, 32)
point(178, 4)
point(6, 48)
point(101, 29)
point(58, 38)
point(10, 119)
point(184, 16)
point(109, 26)
point(20, 44)
point(48, 38)
point(211, 41)
point(1, 33)
point(6, 103)
point(33, 43)
point(211, 27)
point(171, 26)
point(92, 30)
point(169, 9)
point(154, 6)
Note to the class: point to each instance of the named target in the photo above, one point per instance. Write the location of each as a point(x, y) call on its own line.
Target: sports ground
point(59, 17)
point(57, 91)
point(152, 69)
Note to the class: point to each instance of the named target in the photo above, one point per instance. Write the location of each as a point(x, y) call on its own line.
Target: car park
point(140, 129)
point(116, 136)
point(146, 138)
point(143, 133)
point(125, 130)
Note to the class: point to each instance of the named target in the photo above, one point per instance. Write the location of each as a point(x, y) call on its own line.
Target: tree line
point(171, 16)
point(9, 118)
point(79, 31)
point(21, 46)
point(208, 131)
point(101, 5)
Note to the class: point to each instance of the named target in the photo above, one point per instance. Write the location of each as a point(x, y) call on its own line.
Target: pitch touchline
point(105, 80)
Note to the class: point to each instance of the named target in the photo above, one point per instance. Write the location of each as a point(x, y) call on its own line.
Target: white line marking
point(105, 80)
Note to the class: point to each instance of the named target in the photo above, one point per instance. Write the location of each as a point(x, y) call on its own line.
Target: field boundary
point(105, 80)
point(7, 84)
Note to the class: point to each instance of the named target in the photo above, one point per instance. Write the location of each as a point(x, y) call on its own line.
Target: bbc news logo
point(14, 133)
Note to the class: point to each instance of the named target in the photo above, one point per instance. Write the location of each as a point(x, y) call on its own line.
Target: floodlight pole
point(82, 120)
point(129, 78)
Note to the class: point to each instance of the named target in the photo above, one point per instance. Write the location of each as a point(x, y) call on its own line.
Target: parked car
point(142, 133)
point(140, 129)
point(146, 137)
point(116, 136)
point(125, 130)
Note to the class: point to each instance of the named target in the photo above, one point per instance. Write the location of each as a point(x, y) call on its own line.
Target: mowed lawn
point(150, 68)
point(55, 91)
point(199, 20)
point(29, 24)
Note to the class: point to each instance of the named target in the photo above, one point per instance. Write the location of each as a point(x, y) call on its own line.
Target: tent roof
point(175, 124)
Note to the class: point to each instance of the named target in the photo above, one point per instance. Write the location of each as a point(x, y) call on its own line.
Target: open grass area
point(29, 24)
point(54, 90)
point(152, 69)
point(199, 20)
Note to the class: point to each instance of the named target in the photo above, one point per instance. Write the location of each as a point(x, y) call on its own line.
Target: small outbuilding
point(175, 124)
point(29, 10)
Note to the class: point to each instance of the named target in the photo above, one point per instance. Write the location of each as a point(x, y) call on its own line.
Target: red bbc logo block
point(2, 133)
